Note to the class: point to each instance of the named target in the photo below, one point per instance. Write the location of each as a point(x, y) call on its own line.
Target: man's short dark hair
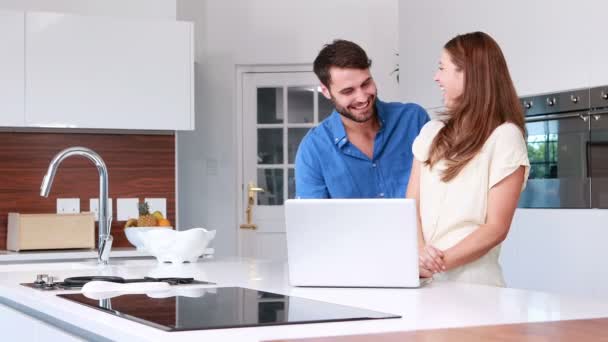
point(342, 54)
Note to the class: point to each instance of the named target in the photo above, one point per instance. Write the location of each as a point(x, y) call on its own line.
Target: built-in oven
point(598, 146)
point(558, 136)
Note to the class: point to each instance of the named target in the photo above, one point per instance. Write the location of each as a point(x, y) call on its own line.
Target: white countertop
point(71, 254)
point(437, 305)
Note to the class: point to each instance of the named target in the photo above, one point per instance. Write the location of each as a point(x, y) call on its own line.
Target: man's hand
point(431, 259)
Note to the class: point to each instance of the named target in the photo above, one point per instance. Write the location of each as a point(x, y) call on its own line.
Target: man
point(364, 148)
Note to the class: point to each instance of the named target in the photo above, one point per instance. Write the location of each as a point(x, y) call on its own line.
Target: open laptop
point(352, 242)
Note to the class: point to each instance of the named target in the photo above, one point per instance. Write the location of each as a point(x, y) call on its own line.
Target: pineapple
point(145, 218)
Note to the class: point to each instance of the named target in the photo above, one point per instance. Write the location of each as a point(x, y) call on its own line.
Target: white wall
point(157, 9)
point(549, 45)
point(232, 32)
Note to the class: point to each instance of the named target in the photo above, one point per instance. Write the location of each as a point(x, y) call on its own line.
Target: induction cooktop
point(224, 307)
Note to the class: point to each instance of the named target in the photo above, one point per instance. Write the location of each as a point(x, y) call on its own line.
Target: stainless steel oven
point(558, 136)
point(598, 146)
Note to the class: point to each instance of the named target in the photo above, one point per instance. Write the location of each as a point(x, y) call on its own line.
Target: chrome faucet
point(105, 220)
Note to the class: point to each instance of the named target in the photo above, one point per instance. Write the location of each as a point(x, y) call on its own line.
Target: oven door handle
point(547, 117)
point(596, 115)
point(588, 159)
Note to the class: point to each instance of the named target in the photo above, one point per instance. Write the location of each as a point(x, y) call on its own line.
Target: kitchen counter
point(437, 305)
point(72, 254)
point(66, 254)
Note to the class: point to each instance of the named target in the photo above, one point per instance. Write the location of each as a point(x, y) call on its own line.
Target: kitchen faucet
point(105, 220)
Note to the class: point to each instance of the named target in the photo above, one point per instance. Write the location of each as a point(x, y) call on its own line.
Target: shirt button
point(381, 194)
point(373, 164)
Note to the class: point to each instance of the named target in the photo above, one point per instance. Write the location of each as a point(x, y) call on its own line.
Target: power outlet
point(68, 205)
point(126, 208)
point(159, 204)
point(94, 207)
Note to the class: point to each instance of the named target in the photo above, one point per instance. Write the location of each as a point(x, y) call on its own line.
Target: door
point(278, 110)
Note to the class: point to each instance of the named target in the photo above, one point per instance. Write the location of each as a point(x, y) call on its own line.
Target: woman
point(470, 165)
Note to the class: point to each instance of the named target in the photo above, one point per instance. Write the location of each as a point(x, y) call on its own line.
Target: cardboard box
point(50, 231)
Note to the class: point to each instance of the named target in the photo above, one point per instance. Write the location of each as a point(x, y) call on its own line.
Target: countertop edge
point(49, 255)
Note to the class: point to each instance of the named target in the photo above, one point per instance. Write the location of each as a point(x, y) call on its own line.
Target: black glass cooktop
point(224, 307)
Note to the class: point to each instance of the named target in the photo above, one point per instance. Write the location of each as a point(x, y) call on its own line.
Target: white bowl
point(134, 235)
point(169, 245)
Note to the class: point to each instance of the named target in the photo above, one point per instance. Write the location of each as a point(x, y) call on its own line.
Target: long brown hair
point(488, 100)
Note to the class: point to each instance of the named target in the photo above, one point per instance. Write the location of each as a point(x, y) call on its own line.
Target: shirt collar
point(381, 114)
point(337, 127)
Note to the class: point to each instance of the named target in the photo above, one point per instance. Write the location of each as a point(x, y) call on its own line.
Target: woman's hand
point(424, 273)
point(431, 259)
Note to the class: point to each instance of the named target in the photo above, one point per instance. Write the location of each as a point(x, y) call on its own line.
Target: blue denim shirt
point(329, 166)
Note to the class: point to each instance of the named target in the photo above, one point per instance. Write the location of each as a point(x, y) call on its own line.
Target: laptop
point(352, 242)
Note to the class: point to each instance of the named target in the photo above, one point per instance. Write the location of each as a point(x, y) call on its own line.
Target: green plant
point(396, 70)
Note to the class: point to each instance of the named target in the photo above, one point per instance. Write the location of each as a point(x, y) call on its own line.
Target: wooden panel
point(50, 231)
point(139, 166)
point(574, 330)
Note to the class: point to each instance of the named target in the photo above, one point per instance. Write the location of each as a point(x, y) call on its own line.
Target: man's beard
point(349, 115)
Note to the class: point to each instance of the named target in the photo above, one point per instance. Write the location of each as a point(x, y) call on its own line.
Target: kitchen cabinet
point(12, 68)
point(564, 245)
point(17, 326)
point(103, 72)
point(546, 46)
point(598, 50)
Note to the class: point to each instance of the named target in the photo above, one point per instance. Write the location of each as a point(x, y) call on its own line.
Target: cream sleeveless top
point(453, 210)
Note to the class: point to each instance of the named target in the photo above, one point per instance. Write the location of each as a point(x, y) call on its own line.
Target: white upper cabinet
point(101, 72)
point(547, 50)
point(546, 45)
point(11, 68)
point(598, 51)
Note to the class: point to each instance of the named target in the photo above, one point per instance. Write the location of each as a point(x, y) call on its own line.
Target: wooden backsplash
point(139, 166)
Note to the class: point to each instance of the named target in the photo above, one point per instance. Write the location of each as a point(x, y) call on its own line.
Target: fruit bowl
point(134, 235)
point(169, 245)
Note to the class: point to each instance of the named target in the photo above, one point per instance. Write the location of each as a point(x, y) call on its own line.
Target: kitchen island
point(434, 306)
